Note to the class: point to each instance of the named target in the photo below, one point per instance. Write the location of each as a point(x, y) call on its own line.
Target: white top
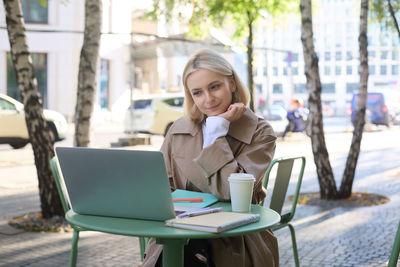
point(214, 127)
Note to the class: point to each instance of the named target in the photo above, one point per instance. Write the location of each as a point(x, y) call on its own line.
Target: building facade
point(55, 35)
point(280, 66)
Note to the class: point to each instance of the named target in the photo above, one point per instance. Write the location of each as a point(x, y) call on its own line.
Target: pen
point(190, 199)
point(199, 212)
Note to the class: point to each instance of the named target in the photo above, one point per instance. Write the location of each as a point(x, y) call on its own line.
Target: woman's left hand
point(234, 112)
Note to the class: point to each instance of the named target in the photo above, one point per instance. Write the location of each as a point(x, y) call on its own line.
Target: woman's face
point(211, 92)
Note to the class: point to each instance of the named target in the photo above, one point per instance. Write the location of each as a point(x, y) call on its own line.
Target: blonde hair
point(212, 61)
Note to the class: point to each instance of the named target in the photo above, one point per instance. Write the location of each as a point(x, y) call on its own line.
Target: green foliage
point(43, 3)
point(235, 14)
point(379, 12)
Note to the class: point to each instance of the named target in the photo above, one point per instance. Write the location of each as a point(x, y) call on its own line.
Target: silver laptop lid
point(116, 182)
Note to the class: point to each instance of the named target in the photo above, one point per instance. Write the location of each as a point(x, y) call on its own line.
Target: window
point(259, 88)
point(395, 55)
point(39, 61)
point(295, 71)
point(104, 83)
point(327, 70)
point(351, 88)
point(327, 56)
point(300, 88)
point(275, 71)
point(328, 88)
point(349, 55)
point(338, 70)
point(285, 71)
point(277, 88)
point(384, 54)
point(371, 69)
point(5, 105)
point(349, 70)
point(383, 39)
point(395, 41)
point(265, 71)
point(383, 70)
point(34, 12)
point(338, 55)
point(371, 54)
point(395, 69)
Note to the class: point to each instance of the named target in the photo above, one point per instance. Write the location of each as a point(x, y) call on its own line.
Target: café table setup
point(173, 239)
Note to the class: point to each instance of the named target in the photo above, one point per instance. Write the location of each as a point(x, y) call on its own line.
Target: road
point(341, 237)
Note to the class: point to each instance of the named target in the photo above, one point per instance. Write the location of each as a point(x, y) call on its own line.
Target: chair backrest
point(394, 256)
point(59, 184)
point(283, 175)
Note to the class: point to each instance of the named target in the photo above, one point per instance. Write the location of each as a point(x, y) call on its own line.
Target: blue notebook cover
point(208, 199)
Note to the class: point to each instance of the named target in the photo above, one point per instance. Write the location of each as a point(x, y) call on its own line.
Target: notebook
point(214, 222)
point(208, 199)
point(116, 182)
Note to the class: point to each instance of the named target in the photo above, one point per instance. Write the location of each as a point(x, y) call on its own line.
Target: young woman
point(218, 136)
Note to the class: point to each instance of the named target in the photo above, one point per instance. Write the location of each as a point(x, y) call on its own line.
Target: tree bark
point(39, 133)
point(321, 157)
point(87, 73)
point(393, 15)
point(250, 61)
point(351, 162)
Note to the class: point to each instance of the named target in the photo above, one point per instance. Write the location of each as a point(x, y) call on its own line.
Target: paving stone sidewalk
point(335, 236)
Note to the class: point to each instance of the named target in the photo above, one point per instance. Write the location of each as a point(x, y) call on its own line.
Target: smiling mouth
point(213, 107)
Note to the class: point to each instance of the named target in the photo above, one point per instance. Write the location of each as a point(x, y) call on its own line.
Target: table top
point(147, 228)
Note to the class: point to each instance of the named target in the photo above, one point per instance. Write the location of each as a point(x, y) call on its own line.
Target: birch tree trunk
point(39, 133)
point(351, 162)
point(87, 72)
point(250, 61)
point(321, 157)
point(393, 15)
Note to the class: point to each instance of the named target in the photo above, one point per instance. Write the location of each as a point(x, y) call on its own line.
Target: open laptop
point(116, 182)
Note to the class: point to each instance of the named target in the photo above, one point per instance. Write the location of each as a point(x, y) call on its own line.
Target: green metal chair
point(283, 175)
point(394, 256)
point(66, 206)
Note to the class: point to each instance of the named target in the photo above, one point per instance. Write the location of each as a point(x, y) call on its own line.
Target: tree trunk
point(351, 162)
point(250, 61)
point(39, 133)
point(321, 157)
point(392, 14)
point(87, 73)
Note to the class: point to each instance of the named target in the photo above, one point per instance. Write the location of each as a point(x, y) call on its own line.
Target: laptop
point(116, 182)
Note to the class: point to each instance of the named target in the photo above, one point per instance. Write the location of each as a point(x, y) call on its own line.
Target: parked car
point(153, 114)
point(13, 130)
point(377, 111)
point(275, 114)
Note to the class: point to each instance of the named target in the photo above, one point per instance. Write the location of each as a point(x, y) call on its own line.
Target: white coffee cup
point(241, 188)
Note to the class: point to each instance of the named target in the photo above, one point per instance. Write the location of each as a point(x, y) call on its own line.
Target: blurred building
point(55, 35)
point(279, 60)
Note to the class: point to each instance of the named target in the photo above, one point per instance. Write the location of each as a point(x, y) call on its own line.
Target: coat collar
point(243, 129)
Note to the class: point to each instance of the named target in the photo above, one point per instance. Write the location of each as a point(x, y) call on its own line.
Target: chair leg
point(74, 249)
point(143, 244)
point(294, 244)
point(394, 256)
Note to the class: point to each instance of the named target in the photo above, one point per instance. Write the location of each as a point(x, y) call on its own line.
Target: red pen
point(190, 199)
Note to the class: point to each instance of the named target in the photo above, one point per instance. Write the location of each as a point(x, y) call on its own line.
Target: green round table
point(173, 239)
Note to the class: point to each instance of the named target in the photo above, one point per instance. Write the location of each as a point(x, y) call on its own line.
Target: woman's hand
point(234, 112)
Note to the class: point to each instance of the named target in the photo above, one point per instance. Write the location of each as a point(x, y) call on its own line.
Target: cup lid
point(241, 177)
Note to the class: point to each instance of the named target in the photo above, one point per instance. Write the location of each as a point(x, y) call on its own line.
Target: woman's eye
point(215, 86)
point(196, 93)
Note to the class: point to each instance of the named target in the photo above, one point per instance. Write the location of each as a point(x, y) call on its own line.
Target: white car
point(153, 114)
point(13, 130)
point(275, 115)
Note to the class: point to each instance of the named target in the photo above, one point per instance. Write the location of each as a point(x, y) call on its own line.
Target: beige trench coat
point(248, 147)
